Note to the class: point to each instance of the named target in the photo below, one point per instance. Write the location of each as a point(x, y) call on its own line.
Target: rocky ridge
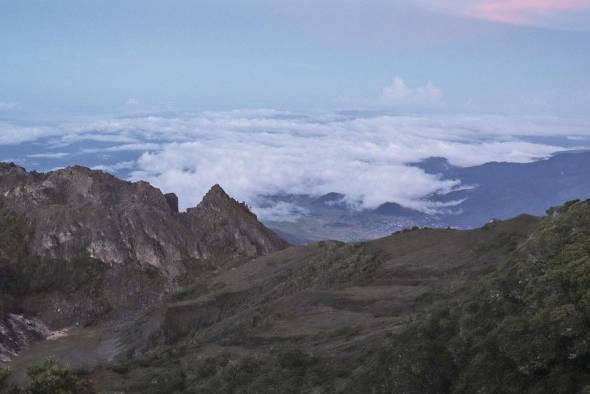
point(80, 247)
point(76, 211)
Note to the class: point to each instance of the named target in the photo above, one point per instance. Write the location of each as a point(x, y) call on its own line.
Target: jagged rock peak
point(78, 211)
point(215, 193)
point(7, 166)
point(10, 167)
point(172, 200)
point(217, 198)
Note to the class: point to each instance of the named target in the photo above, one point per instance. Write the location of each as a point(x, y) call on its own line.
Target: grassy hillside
point(501, 309)
point(306, 319)
point(523, 328)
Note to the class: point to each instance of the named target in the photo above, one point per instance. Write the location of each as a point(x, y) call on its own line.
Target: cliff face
point(226, 227)
point(77, 211)
point(81, 247)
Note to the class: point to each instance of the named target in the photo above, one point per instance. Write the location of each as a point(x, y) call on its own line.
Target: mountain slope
point(81, 247)
point(498, 309)
point(503, 190)
point(523, 328)
point(78, 211)
point(501, 309)
point(274, 323)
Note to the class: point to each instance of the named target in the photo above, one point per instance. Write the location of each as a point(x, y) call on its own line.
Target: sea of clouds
point(258, 153)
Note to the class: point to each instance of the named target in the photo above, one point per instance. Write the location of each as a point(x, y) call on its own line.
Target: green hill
point(500, 309)
point(522, 328)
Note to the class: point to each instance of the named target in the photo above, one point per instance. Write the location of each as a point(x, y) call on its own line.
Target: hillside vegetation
point(505, 309)
point(523, 328)
point(312, 319)
point(500, 309)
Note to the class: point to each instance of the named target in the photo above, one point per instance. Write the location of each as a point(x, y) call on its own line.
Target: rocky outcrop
point(80, 247)
point(17, 332)
point(77, 211)
point(226, 226)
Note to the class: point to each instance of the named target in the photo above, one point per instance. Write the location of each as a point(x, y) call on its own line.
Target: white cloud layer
point(257, 153)
point(123, 165)
point(56, 155)
point(364, 158)
point(11, 134)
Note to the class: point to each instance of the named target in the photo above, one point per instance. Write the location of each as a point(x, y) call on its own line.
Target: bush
point(523, 328)
point(5, 387)
point(52, 378)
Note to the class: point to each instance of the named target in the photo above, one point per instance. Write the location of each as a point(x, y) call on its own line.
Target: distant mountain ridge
point(500, 190)
point(495, 190)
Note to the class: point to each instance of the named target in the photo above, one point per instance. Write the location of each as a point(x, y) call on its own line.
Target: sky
point(285, 96)
point(86, 57)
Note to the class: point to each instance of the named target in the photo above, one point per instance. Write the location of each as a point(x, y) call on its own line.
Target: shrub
point(523, 328)
point(52, 378)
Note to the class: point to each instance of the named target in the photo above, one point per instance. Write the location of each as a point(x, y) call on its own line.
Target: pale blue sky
point(84, 58)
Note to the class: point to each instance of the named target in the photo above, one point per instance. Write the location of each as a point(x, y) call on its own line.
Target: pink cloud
point(524, 11)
